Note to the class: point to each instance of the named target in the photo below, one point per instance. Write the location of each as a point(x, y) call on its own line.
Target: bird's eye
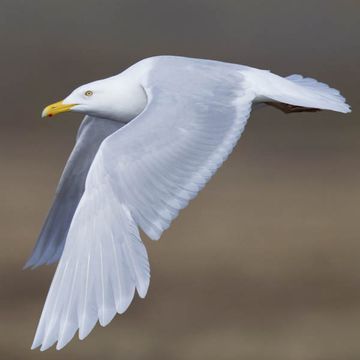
point(88, 93)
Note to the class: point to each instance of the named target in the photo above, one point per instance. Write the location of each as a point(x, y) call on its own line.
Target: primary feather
point(122, 178)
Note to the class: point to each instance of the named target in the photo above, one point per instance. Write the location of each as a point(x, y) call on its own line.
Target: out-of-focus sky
point(264, 263)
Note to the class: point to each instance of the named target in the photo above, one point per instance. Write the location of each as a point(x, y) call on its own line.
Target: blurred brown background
point(264, 264)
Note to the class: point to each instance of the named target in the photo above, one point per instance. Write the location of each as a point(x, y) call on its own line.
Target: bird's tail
point(297, 93)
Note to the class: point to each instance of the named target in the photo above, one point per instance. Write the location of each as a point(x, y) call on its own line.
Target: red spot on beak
point(50, 115)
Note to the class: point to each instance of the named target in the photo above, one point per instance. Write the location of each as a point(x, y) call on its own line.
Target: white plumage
point(152, 138)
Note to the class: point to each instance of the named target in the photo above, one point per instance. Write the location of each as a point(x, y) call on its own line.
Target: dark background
point(264, 264)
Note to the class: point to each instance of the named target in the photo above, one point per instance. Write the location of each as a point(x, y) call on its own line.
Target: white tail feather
point(328, 97)
point(295, 90)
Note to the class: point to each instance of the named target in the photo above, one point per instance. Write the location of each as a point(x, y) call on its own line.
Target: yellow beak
point(56, 108)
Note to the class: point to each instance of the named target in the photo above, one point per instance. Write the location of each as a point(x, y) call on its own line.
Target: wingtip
point(37, 340)
point(143, 288)
point(28, 265)
point(47, 343)
point(82, 336)
point(62, 343)
point(86, 327)
point(84, 332)
point(32, 263)
point(34, 346)
point(123, 304)
point(106, 317)
point(45, 346)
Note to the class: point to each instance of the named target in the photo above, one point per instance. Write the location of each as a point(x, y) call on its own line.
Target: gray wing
point(51, 241)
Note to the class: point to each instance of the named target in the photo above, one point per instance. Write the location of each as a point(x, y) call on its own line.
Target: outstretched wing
point(163, 158)
point(142, 176)
point(51, 241)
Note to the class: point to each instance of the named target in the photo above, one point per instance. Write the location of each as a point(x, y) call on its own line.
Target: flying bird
point(151, 138)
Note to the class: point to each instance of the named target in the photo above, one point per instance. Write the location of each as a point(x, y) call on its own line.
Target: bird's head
point(89, 99)
point(111, 98)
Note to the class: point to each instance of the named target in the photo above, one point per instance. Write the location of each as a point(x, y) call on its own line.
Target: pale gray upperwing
point(51, 241)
